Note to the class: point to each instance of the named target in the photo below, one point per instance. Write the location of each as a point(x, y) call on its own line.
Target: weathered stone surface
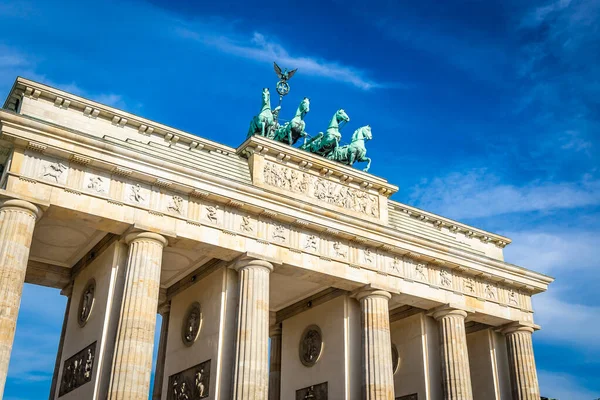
point(17, 220)
point(275, 364)
point(521, 362)
point(135, 339)
point(456, 376)
point(251, 369)
point(378, 380)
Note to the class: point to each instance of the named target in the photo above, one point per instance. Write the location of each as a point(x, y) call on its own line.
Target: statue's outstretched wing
point(291, 73)
point(277, 70)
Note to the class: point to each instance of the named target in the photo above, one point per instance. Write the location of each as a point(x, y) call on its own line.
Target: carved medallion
point(77, 370)
point(191, 324)
point(311, 345)
point(190, 384)
point(395, 359)
point(313, 392)
point(86, 303)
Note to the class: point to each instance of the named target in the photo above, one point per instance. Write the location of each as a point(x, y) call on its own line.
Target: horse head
point(304, 105)
point(341, 115)
point(266, 96)
point(364, 132)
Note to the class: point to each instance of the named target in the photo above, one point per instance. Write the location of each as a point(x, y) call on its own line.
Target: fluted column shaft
point(378, 379)
point(523, 374)
point(165, 312)
point(135, 339)
point(456, 374)
point(275, 365)
point(66, 291)
point(17, 221)
point(251, 368)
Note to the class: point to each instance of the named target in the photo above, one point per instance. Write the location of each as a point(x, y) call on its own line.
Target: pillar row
point(17, 221)
point(521, 362)
point(251, 368)
point(378, 379)
point(135, 338)
point(456, 375)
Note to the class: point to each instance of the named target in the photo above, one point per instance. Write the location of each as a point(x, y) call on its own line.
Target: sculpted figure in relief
point(136, 193)
point(396, 265)
point(339, 250)
point(200, 386)
point(420, 271)
point(368, 256)
point(279, 233)
point(54, 171)
point(445, 278)
point(176, 205)
point(246, 226)
point(311, 243)
point(470, 284)
point(512, 297)
point(211, 214)
point(489, 291)
point(96, 184)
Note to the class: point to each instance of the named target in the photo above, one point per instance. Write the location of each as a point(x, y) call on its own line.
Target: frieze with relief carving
point(313, 392)
point(77, 370)
point(190, 384)
point(321, 189)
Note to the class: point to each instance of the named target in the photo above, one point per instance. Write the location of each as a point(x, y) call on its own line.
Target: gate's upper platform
point(327, 186)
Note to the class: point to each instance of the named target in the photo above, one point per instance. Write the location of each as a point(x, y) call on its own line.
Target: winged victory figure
point(284, 75)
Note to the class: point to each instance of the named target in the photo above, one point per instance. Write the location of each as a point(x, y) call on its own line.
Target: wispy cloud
point(14, 63)
point(563, 386)
point(479, 193)
point(265, 49)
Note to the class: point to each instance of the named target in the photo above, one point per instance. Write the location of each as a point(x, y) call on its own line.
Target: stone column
point(135, 338)
point(275, 366)
point(523, 375)
point(378, 379)
point(251, 368)
point(66, 291)
point(456, 375)
point(17, 220)
point(165, 311)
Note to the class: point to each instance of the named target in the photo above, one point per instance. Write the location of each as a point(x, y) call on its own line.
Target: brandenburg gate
point(280, 272)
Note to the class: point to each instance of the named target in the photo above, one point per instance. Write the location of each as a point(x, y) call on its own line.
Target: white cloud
point(264, 49)
point(14, 63)
point(563, 387)
point(477, 194)
point(554, 253)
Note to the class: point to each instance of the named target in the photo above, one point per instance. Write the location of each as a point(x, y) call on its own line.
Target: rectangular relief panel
point(77, 370)
point(190, 384)
point(413, 396)
point(313, 392)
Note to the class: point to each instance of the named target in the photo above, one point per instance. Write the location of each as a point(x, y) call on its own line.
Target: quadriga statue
point(325, 143)
point(356, 150)
point(293, 130)
point(263, 123)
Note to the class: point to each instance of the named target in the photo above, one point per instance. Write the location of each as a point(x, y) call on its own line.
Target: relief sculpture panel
point(77, 370)
point(191, 384)
point(321, 189)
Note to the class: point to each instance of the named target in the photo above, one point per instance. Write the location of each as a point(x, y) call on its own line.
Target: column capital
point(372, 292)
point(275, 330)
point(251, 261)
point(132, 237)
point(445, 310)
point(22, 205)
point(164, 308)
point(67, 290)
point(518, 326)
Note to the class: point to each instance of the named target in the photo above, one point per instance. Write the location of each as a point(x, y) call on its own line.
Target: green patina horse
point(356, 150)
point(294, 129)
point(264, 122)
point(325, 143)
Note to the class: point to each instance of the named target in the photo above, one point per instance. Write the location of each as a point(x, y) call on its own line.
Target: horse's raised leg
point(368, 163)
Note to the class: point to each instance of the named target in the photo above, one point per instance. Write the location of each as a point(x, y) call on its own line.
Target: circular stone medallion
point(311, 345)
point(86, 303)
point(395, 359)
point(191, 324)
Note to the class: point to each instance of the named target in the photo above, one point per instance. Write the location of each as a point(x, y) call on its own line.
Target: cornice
point(389, 237)
point(455, 226)
point(92, 109)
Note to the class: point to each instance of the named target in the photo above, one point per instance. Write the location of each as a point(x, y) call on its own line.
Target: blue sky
point(486, 112)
